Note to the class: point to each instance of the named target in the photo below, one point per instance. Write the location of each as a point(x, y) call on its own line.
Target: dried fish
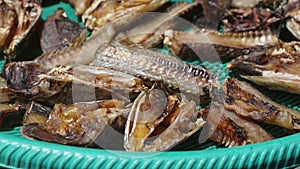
point(207, 45)
point(276, 69)
point(20, 18)
point(59, 32)
point(101, 12)
point(252, 19)
point(76, 124)
point(158, 122)
point(154, 66)
point(147, 29)
point(249, 102)
point(67, 85)
point(231, 129)
point(9, 19)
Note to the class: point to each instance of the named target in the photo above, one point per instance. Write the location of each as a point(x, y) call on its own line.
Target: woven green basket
point(17, 151)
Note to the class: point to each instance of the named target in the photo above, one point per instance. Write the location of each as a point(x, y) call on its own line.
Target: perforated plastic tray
point(17, 151)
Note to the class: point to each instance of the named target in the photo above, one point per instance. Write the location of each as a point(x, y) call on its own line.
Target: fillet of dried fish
point(232, 130)
point(207, 45)
point(249, 102)
point(276, 69)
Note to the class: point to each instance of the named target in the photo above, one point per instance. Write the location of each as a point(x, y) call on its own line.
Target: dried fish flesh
point(59, 32)
point(251, 19)
point(6, 94)
point(9, 19)
point(24, 15)
point(231, 129)
point(292, 15)
point(67, 85)
point(81, 6)
point(76, 124)
point(36, 113)
point(78, 53)
point(154, 66)
point(249, 102)
point(11, 115)
point(207, 45)
point(211, 13)
point(276, 69)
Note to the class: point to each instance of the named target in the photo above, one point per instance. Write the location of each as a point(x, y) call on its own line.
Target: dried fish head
point(158, 122)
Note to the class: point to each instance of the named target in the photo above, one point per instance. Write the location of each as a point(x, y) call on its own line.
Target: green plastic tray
point(17, 151)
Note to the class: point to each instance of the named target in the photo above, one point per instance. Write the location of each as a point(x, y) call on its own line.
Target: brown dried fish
point(102, 12)
point(67, 85)
point(252, 19)
point(207, 45)
point(154, 66)
point(11, 115)
point(158, 122)
point(21, 28)
point(147, 29)
point(228, 128)
point(59, 32)
point(276, 69)
point(76, 124)
point(249, 102)
point(7, 24)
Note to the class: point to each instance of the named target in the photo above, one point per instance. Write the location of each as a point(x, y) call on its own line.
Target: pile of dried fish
point(112, 86)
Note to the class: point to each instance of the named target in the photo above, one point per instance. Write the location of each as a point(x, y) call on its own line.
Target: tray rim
point(280, 152)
